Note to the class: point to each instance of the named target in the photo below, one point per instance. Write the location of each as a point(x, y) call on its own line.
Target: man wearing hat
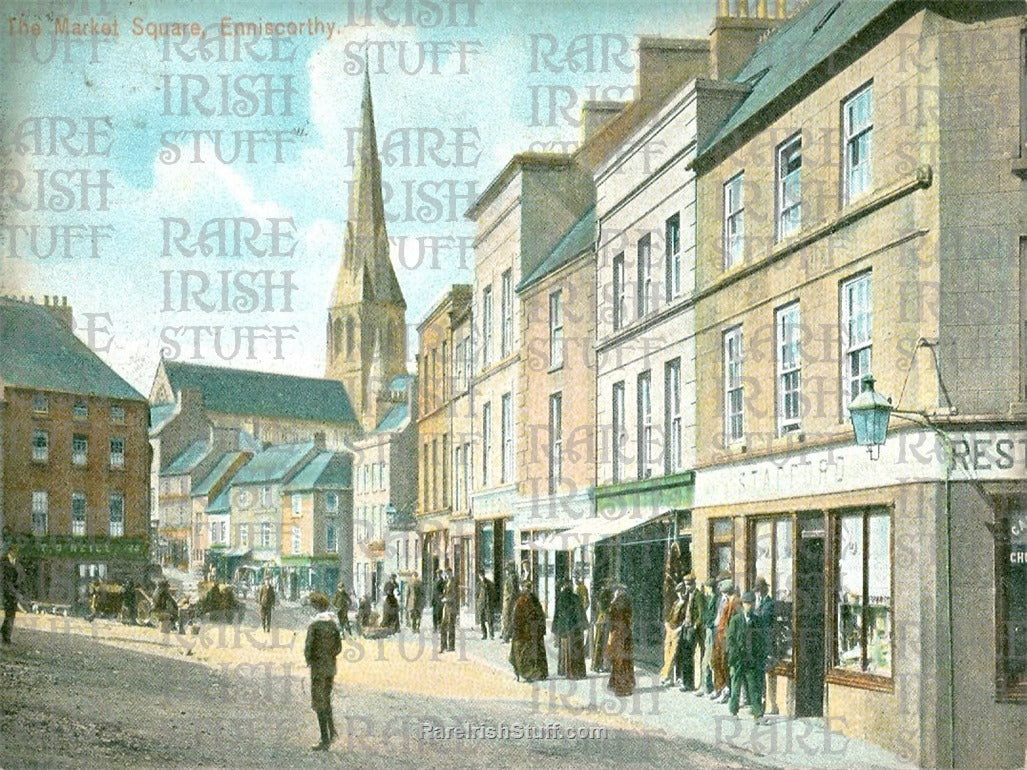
point(746, 657)
point(690, 630)
point(11, 591)
point(709, 624)
point(764, 612)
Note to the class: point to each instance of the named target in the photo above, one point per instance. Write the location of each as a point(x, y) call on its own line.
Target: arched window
point(350, 341)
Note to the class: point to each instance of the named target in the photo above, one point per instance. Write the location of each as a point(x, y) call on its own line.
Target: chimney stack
point(665, 64)
point(734, 39)
point(594, 114)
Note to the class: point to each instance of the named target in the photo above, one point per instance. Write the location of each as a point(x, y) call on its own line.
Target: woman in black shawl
point(620, 650)
point(569, 628)
point(528, 648)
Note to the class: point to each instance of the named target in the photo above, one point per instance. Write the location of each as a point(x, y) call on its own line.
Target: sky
point(186, 187)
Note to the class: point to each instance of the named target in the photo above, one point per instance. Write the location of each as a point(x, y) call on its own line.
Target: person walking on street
point(511, 592)
point(709, 624)
point(746, 657)
point(569, 629)
point(363, 614)
point(11, 592)
point(527, 638)
point(764, 612)
point(322, 646)
point(450, 608)
point(483, 605)
point(438, 589)
point(620, 649)
point(414, 601)
point(266, 599)
point(601, 628)
point(341, 601)
point(129, 601)
point(582, 592)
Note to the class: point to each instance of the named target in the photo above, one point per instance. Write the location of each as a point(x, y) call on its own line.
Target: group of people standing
point(731, 632)
point(524, 626)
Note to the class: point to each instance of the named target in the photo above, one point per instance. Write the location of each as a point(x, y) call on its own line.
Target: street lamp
point(870, 412)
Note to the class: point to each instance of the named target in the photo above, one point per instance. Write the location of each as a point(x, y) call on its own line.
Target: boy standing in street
point(322, 646)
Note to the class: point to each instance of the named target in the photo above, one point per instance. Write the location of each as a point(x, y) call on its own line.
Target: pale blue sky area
point(453, 101)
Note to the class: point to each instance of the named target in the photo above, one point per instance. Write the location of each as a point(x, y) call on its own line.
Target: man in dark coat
point(764, 612)
point(483, 599)
point(341, 601)
point(601, 628)
point(363, 614)
point(129, 601)
point(709, 623)
point(266, 600)
point(11, 589)
point(450, 610)
point(690, 628)
point(569, 629)
point(528, 645)
point(414, 601)
point(746, 657)
point(620, 649)
point(436, 599)
point(322, 646)
point(390, 605)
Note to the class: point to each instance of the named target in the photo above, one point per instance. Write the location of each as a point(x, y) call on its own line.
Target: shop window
point(863, 613)
point(1011, 600)
point(721, 547)
point(771, 559)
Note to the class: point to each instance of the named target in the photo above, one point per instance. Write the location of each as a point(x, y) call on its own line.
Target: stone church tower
point(366, 334)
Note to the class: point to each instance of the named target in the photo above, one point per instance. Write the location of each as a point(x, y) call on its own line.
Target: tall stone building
point(366, 327)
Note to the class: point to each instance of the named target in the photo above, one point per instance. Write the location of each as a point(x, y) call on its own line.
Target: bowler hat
point(748, 597)
point(761, 584)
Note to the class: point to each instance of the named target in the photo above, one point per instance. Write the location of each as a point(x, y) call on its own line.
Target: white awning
point(597, 528)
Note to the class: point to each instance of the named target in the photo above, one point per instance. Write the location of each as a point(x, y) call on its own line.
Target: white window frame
point(620, 305)
point(486, 326)
point(266, 535)
point(265, 497)
point(331, 501)
point(79, 410)
point(672, 253)
point(856, 335)
point(78, 524)
point(486, 443)
point(788, 348)
point(618, 424)
point(331, 537)
point(645, 424)
point(458, 451)
point(506, 437)
point(40, 445)
point(857, 128)
point(788, 206)
point(117, 414)
point(734, 393)
point(117, 458)
point(644, 267)
point(297, 504)
point(556, 329)
point(40, 403)
point(244, 534)
point(116, 514)
point(40, 511)
point(555, 442)
point(297, 540)
point(734, 220)
point(79, 449)
point(506, 307)
point(673, 458)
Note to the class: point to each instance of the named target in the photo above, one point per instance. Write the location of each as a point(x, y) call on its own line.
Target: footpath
point(667, 712)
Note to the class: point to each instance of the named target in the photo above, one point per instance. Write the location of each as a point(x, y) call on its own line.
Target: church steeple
point(367, 307)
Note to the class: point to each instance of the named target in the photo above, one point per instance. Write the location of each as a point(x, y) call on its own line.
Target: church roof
point(264, 394)
point(38, 351)
point(366, 272)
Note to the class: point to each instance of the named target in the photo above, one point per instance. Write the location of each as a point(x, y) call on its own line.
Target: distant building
point(74, 457)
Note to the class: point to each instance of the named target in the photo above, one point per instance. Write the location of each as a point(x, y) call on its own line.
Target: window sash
point(78, 513)
point(619, 433)
point(507, 309)
point(116, 514)
point(80, 410)
point(506, 427)
point(79, 449)
point(733, 403)
point(672, 246)
point(856, 332)
point(555, 441)
point(645, 425)
point(858, 120)
point(486, 441)
point(672, 385)
point(556, 329)
point(486, 326)
point(645, 275)
point(734, 221)
point(117, 453)
point(40, 404)
point(40, 445)
point(619, 303)
point(788, 368)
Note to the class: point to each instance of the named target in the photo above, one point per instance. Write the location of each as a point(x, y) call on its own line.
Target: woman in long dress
point(569, 629)
point(620, 651)
point(528, 648)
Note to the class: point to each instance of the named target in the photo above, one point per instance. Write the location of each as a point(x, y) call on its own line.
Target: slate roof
point(273, 464)
point(37, 351)
point(399, 383)
point(393, 419)
point(239, 391)
point(160, 414)
point(188, 459)
point(810, 38)
point(216, 473)
point(221, 503)
point(328, 470)
point(579, 237)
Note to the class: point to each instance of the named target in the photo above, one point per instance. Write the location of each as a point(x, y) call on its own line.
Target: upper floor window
point(556, 329)
point(117, 413)
point(858, 126)
point(78, 513)
point(80, 410)
point(40, 445)
point(116, 512)
point(506, 342)
point(789, 189)
point(555, 442)
point(458, 364)
point(331, 538)
point(265, 534)
point(331, 501)
point(297, 505)
point(619, 429)
point(619, 292)
point(645, 275)
point(645, 425)
point(856, 335)
point(734, 220)
point(788, 363)
point(297, 539)
point(507, 427)
point(486, 442)
point(672, 246)
point(79, 449)
point(733, 423)
point(672, 412)
point(40, 404)
point(486, 326)
point(265, 497)
point(117, 453)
